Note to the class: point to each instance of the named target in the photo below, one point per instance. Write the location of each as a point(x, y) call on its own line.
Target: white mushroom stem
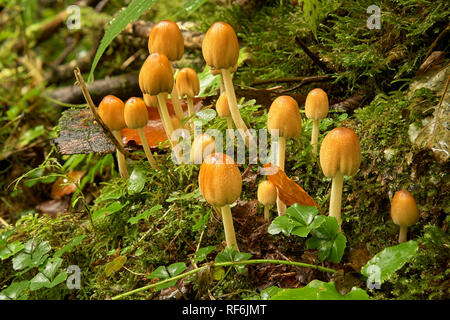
point(148, 153)
point(281, 207)
point(267, 213)
point(315, 135)
point(120, 157)
point(402, 236)
point(165, 117)
point(176, 101)
point(336, 197)
point(227, 219)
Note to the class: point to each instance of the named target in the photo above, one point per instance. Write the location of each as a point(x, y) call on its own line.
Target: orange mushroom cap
point(166, 38)
point(220, 46)
point(111, 111)
point(136, 114)
point(188, 83)
point(222, 107)
point(404, 211)
point(316, 104)
point(340, 151)
point(220, 180)
point(284, 115)
point(267, 193)
point(156, 75)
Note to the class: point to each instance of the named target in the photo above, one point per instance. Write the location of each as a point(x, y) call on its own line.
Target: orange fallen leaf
point(289, 191)
point(154, 130)
point(63, 186)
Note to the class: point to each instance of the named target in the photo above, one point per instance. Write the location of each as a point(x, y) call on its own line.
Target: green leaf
point(112, 208)
point(327, 239)
point(298, 220)
point(30, 135)
point(159, 273)
point(115, 265)
point(206, 115)
point(4, 236)
point(201, 253)
point(15, 291)
point(33, 256)
point(232, 255)
point(269, 292)
point(134, 10)
point(136, 182)
point(191, 5)
point(388, 261)
point(11, 249)
point(176, 268)
point(68, 247)
point(318, 290)
point(144, 215)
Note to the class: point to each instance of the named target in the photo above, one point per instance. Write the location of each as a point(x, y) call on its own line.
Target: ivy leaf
point(232, 255)
point(388, 261)
point(319, 290)
point(136, 182)
point(201, 253)
point(46, 278)
point(15, 291)
point(176, 268)
point(34, 254)
point(163, 273)
point(11, 249)
point(329, 242)
point(298, 220)
point(134, 10)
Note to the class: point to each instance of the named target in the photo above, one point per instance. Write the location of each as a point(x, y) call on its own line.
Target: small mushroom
point(156, 79)
point(187, 84)
point(404, 212)
point(136, 117)
point(111, 111)
point(221, 184)
point(220, 49)
point(316, 108)
point(166, 38)
point(340, 155)
point(202, 146)
point(284, 116)
point(267, 196)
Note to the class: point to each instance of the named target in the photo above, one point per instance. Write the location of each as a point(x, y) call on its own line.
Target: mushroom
point(166, 38)
point(221, 184)
point(284, 116)
point(223, 109)
point(220, 49)
point(316, 108)
point(404, 212)
point(340, 155)
point(136, 117)
point(267, 196)
point(187, 84)
point(111, 111)
point(156, 79)
point(202, 146)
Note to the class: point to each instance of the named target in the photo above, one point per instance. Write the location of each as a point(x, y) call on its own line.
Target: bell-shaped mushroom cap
point(188, 83)
point(111, 111)
point(220, 180)
point(284, 115)
point(156, 75)
point(220, 46)
point(340, 151)
point(166, 38)
point(316, 105)
point(267, 193)
point(222, 107)
point(202, 146)
point(136, 114)
point(404, 211)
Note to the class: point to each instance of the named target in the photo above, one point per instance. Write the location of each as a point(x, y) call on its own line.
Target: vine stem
point(222, 264)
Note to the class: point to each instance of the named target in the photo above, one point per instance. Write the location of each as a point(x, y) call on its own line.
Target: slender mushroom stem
point(176, 103)
point(402, 236)
point(148, 153)
point(190, 103)
point(281, 207)
point(222, 88)
point(230, 122)
point(336, 197)
point(266, 213)
point(315, 135)
point(120, 157)
point(165, 115)
point(227, 219)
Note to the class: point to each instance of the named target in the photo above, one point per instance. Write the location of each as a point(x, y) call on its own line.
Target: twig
point(6, 224)
point(437, 111)
point(436, 41)
point(97, 118)
point(314, 57)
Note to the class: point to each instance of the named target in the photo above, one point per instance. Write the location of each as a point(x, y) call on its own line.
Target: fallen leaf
point(63, 185)
point(154, 130)
point(289, 191)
